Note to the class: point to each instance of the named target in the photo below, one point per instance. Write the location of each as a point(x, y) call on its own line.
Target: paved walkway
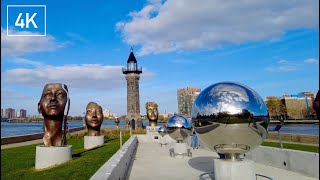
point(37, 141)
point(6, 146)
point(154, 162)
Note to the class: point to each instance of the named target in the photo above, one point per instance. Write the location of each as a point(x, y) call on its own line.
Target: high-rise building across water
point(186, 97)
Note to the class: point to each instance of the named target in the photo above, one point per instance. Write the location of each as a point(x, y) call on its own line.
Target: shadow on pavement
point(204, 164)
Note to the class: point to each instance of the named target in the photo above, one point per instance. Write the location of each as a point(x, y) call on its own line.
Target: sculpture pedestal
point(47, 156)
point(93, 141)
point(152, 133)
point(232, 170)
point(180, 149)
point(163, 141)
point(152, 130)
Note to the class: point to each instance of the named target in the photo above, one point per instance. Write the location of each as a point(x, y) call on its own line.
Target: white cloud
point(77, 37)
point(10, 95)
point(176, 25)
point(20, 45)
point(26, 62)
point(85, 76)
point(311, 61)
point(283, 61)
point(283, 66)
point(288, 66)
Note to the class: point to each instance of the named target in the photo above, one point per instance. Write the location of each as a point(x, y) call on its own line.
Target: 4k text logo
point(26, 20)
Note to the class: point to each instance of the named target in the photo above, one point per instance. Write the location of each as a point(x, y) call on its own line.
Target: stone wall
point(116, 168)
point(292, 160)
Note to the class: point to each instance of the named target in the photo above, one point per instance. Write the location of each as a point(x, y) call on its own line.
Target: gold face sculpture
point(51, 105)
point(94, 118)
point(152, 113)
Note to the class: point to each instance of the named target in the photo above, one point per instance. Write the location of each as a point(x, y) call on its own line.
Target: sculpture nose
point(53, 97)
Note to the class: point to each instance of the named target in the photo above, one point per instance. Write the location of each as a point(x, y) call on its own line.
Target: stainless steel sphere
point(179, 127)
point(162, 131)
point(230, 118)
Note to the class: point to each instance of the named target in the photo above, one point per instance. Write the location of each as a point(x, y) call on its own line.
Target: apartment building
point(186, 98)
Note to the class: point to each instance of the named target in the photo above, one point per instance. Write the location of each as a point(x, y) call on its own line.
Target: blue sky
point(270, 46)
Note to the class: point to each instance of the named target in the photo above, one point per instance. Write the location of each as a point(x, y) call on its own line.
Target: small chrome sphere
point(230, 118)
point(162, 131)
point(179, 127)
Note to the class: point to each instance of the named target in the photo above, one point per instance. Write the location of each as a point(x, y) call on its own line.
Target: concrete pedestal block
point(180, 148)
point(47, 156)
point(163, 141)
point(152, 130)
point(234, 170)
point(93, 141)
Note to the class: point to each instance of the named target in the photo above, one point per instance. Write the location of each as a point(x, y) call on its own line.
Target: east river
point(14, 129)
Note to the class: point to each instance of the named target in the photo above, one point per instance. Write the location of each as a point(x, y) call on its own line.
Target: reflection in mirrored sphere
point(162, 131)
point(230, 118)
point(179, 127)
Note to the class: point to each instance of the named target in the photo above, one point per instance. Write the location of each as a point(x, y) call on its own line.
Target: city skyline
point(12, 113)
point(270, 46)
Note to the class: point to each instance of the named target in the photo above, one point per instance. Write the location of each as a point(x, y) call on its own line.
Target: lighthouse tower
point(132, 72)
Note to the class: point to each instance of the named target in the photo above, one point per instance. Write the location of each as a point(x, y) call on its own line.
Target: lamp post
point(83, 120)
point(117, 121)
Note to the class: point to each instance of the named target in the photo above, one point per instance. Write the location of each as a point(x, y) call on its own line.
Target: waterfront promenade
point(153, 162)
point(35, 141)
point(304, 139)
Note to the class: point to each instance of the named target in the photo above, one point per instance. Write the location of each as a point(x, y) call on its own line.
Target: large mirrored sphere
point(230, 118)
point(179, 127)
point(162, 131)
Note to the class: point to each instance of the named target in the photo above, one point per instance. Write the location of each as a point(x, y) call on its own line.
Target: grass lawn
point(299, 147)
point(19, 162)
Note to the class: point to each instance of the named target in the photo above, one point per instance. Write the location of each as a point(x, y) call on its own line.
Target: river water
point(14, 129)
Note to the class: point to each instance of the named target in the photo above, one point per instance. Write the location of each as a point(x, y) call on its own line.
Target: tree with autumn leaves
point(277, 110)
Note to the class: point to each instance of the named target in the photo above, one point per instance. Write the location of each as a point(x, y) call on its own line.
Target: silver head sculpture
point(179, 128)
point(230, 118)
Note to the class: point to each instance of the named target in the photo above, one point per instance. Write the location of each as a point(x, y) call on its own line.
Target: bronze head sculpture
point(94, 118)
point(152, 113)
point(52, 105)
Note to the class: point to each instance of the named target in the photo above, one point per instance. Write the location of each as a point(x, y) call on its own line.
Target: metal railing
point(126, 70)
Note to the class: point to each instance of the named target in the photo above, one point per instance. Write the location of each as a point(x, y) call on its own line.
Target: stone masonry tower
point(132, 72)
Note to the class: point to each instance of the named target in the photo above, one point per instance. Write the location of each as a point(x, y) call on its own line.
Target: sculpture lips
point(94, 121)
point(53, 106)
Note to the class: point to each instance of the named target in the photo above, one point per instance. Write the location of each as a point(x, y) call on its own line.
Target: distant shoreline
point(314, 121)
point(111, 120)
